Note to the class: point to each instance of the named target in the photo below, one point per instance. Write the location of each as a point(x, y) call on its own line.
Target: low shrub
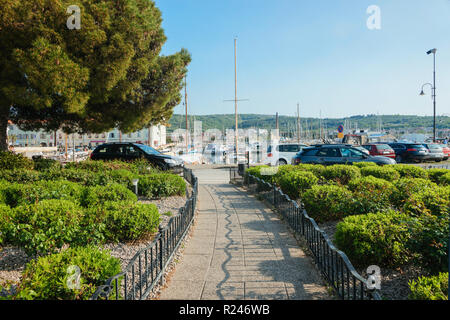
point(54, 277)
point(370, 194)
point(45, 227)
point(5, 216)
point(161, 185)
point(445, 179)
point(429, 288)
point(295, 183)
point(42, 164)
point(265, 173)
point(12, 161)
point(342, 174)
point(432, 200)
point(406, 187)
point(435, 174)
point(16, 194)
point(20, 175)
point(374, 239)
point(328, 202)
point(126, 221)
point(429, 242)
point(89, 165)
point(385, 173)
point(317, 169)
point(365, 164)
point(124, 177)
point(409, 171)
point(93, 196)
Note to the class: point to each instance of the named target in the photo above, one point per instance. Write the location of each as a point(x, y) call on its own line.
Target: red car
point(380, 150)
point(446, 150)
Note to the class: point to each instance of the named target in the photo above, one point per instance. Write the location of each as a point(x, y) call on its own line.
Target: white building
point(154, 136)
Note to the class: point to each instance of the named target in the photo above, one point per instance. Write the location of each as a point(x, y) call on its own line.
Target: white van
point(282, 154)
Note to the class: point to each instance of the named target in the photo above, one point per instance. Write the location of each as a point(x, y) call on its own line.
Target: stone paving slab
point(240, 250)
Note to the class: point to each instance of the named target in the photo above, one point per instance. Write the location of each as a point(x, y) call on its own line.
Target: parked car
point(380, 150)
point(134, 151)
point(446, 151)
point(282, 154)
point(436, 152)
point(362, 149)
point(330, 154)
point(410, 152)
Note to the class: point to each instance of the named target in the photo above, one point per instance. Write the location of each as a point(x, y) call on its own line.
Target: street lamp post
point(433, 91)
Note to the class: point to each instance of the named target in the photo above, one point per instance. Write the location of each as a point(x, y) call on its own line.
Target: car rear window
point(383, 147)
point(433, 146)
point(417, 146)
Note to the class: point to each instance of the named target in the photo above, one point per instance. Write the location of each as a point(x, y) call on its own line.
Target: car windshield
point(443, 146)
point(433, 146)
point(148, 149)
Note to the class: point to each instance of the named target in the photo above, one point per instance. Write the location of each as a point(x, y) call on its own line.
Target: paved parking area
point(240, 250)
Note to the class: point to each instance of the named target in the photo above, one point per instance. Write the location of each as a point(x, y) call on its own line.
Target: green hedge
point(12, 161)
point(42, 164)
point(49, 278)
point(429, 242)
point(161, 185)
point(15, 194)
point(435, 174)
point(370, 194)
point(20, 175)
point(385, 173)
point(409, 171)
point(94, 196)
point(374, 239)
point(406, 187)
point(328, 202)
point(365, 164)
point(45, 227)
point(342, 174)
point(317, 169)
point(295, 183)
point(445, 179)
point(429, 288)
point(126, 221)
point(5, 215)
point(433, 200)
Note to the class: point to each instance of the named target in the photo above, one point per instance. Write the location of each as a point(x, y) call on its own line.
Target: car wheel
point(398, 159)
point(281, 162)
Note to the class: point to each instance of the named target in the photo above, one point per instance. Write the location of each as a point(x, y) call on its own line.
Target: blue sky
point(318, 53)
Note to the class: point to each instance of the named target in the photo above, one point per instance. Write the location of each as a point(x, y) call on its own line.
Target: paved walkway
point(240, 250)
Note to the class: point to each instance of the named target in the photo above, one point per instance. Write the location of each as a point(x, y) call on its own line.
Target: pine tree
point(107, 74)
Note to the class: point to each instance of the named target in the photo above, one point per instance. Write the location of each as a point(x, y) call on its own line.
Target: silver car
point(436, 152)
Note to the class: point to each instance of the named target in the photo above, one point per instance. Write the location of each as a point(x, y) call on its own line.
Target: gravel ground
point(13, 260)
point(12, 263)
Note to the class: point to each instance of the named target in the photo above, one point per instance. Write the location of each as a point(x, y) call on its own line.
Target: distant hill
point(397, 123)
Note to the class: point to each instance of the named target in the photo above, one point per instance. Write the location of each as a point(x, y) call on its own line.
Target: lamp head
point(422, 93)
point(432, 51)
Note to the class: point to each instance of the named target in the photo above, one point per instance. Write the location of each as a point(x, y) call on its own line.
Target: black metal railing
point(147, 267)
point(437, 166)
point(333, 263)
